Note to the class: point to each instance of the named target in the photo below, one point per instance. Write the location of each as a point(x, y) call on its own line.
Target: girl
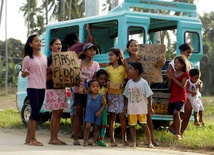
point(138, 101)
point(193, 86)
point(133, 48)
point(185, 50)
point(35, 67)
point(102, 77)
point(56, 99)
point(88, 69)
point(117, 76)
point(177, 82)
point(95, 106)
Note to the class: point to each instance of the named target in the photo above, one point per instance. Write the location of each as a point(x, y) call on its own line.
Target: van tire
point(25, 112)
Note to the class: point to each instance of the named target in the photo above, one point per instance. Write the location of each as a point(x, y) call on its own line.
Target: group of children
point(119, 90)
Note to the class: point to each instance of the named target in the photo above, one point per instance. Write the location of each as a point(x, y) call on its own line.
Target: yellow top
point(117, 76)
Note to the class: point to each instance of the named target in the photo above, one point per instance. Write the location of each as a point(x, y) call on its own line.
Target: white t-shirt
point(37, 66)
point(137, 94)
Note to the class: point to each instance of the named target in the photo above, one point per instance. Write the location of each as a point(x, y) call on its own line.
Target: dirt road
point(12, 143)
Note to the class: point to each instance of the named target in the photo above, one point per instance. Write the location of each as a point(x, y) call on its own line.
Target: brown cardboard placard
point(66, 72)
point(152, 58)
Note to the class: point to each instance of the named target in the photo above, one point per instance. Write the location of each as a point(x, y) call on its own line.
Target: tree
point(33, 17)
point(206, 63)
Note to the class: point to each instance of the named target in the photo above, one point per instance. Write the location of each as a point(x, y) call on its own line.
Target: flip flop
point(35, 143)
point(76, 143)
point(114, 144)
point(63, 143)
point(55, 142)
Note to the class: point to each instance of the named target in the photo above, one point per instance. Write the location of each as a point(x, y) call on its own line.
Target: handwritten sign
point(152, 58)
point(66, 71)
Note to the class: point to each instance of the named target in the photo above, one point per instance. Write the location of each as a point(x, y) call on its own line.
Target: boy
point(138, 96)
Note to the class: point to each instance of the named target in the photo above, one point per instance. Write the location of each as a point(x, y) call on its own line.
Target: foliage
point(14, 50)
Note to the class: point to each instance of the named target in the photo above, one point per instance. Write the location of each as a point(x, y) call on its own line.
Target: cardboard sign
point(152, 58)
point(66, 71)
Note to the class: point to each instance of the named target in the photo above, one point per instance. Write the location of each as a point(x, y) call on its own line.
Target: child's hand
point(169, 73)
point(151, 111)
point(25, 73)
point(124, 111)
point(98, 114)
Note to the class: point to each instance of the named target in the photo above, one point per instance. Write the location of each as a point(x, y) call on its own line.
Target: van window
point(192, 38)
point(137, 33)
point(105, 34)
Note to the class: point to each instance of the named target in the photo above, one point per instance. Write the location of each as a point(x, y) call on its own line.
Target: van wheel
point(25, 112)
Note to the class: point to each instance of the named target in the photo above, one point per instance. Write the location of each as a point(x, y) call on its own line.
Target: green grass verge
point(193, 138)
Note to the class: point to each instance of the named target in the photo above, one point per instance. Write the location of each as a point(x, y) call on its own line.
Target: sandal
point(76, 143)
point(34, 142)
point(55, 142)
point(63, 143)
point(197, 124)
point(114, 144)
point(125, 143)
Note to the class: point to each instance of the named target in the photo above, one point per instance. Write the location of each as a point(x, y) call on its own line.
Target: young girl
point(133, 48)
point(35, 67)
point(102, 77)
point(177, 82)
point(88, 69)
point(56, 99)
point(94, 107)
point(193, 86)
point(117, 77)
point(138, 101)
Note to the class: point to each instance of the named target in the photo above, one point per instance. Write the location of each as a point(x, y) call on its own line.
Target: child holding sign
point(56, 99)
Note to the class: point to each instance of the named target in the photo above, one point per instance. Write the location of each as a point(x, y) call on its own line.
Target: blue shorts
point(174, 106)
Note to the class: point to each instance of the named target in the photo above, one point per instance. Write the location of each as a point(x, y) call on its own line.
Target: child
point(88, 69)
point(133, 48)
point(102, 76)
point(117, 76)
point(138, 101)
point(56, 99)
point(177, 81)
point(34, 67)
point(95, 106)
point(193, 86)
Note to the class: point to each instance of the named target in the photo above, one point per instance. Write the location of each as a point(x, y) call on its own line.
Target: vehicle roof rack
point(155, 6)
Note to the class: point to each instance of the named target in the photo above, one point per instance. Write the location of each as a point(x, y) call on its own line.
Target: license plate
point(160, 108)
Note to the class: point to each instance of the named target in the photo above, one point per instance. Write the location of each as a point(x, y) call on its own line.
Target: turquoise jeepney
point(147, 21)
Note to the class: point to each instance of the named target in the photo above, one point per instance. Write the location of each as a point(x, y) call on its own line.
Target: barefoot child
point(102, 76)
point(117, 77)
point(177, 81)
point(94, 107)
point(138, 101)
point(193, 86)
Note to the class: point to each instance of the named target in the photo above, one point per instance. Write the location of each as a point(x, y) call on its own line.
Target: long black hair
point(28, 50)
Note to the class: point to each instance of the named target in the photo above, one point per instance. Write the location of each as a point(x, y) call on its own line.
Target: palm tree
point(33, 16)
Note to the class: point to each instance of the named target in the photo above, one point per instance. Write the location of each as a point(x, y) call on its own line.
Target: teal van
point(147, 21)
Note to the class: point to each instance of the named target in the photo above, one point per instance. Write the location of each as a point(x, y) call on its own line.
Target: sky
point(17, 29)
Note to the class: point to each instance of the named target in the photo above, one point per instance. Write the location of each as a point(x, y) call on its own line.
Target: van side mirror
point(18, 67)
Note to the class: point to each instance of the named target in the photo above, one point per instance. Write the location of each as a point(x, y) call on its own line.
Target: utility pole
point(6, 51)
point(91, 8)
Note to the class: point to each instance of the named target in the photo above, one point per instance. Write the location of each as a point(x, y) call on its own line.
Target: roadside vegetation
point(194, 138)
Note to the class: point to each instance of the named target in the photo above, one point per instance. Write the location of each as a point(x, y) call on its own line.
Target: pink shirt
point(87, 74)
point(38, 71)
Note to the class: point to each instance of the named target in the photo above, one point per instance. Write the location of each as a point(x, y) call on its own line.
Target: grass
point(195, 138)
